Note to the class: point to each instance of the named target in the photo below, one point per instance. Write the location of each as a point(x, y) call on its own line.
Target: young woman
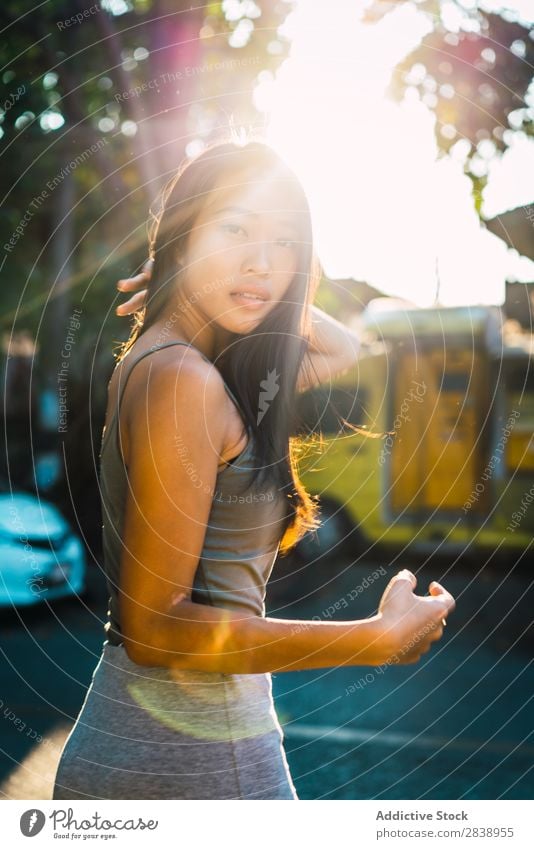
point(200, 492)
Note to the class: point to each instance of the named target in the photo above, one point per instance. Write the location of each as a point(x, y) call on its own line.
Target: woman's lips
point(248, 302)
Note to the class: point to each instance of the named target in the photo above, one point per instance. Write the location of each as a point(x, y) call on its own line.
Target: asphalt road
point(458, 725)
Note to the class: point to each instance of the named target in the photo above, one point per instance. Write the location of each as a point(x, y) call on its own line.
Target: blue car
point(41, 558)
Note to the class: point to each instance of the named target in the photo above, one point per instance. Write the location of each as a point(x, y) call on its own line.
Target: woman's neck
point(211, 341)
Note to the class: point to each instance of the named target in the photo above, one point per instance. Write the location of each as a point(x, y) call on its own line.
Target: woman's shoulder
point(157, 386)
point(168, 370)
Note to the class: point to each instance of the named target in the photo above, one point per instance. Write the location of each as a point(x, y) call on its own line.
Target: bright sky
point(385, 209)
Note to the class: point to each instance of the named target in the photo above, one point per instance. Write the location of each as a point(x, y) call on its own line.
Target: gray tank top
point(242, 537)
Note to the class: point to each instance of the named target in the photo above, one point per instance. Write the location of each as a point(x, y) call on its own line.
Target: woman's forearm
point(212, 639)
point(331, 337)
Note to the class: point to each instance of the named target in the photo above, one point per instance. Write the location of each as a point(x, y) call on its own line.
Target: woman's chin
point(243, 324)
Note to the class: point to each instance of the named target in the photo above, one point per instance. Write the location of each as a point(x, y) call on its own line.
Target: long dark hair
point(271, 355)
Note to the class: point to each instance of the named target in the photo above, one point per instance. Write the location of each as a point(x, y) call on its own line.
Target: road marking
point(329, 733)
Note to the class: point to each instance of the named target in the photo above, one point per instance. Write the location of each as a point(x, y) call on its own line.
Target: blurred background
point(410, 125)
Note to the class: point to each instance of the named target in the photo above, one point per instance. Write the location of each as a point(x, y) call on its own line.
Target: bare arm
point(165, 523)
point(212, 639)
point(175, 427)
point(333, 348)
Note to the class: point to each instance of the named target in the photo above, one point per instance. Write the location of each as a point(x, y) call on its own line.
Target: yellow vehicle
point(456, 470)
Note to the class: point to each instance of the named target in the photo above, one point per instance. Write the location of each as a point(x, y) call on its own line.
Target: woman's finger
point(439, 592)
point(133, 304)
point(132, 284)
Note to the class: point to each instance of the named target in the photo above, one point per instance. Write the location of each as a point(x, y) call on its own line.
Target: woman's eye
point(233, 228)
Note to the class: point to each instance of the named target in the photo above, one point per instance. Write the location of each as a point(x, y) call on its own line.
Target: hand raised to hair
point(137, 285)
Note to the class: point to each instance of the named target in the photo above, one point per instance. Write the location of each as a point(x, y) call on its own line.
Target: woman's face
point(241, 255)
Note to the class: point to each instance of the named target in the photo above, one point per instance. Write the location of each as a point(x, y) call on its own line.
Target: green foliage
point(107, 102)
point(475, 79)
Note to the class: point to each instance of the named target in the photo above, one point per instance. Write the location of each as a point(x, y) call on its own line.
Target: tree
point(112, 100)
point(474, 69)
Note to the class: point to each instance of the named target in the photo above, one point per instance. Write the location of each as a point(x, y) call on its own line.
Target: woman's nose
point(257, 259)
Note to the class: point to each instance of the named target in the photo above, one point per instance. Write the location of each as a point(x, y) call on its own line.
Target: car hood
point(24, 516)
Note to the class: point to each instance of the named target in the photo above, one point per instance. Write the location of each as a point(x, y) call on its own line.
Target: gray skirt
point(156, 733)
